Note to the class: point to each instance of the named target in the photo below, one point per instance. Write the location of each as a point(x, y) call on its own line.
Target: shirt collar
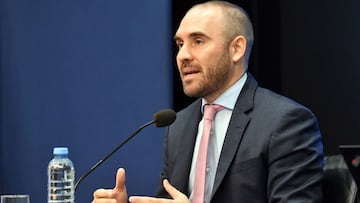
point(229, 97)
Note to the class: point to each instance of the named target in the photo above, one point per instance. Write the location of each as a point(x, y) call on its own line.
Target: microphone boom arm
point(111, 153)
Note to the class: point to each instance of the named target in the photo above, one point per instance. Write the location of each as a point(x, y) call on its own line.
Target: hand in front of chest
point(177, 196)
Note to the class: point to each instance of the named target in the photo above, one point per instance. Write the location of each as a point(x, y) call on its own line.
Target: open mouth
point(191, 72)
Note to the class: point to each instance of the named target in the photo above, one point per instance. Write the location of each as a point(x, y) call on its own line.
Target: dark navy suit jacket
point(272, 151)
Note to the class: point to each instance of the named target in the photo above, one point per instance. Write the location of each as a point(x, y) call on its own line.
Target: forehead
point(202, 19)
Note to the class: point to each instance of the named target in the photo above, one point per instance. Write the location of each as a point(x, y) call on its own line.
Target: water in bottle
point(61, 175)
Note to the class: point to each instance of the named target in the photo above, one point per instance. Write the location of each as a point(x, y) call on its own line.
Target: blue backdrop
point(83, 74)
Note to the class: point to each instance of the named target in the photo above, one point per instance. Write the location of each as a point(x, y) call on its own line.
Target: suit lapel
point(238, 122)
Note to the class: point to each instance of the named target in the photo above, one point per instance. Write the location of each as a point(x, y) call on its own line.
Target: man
point(264, 147)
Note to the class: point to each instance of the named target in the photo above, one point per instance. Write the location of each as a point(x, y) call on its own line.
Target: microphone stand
point(111, 153)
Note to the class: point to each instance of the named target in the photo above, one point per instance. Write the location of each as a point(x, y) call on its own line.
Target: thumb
point(173, 192)
point(120, 181)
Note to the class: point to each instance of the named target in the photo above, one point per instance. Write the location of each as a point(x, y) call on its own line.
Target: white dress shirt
point(217, 136)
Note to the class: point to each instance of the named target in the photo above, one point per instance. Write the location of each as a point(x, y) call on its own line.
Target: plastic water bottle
point(61, 176)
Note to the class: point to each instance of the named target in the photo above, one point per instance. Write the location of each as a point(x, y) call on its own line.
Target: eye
point(179, 44)
point(198, 41)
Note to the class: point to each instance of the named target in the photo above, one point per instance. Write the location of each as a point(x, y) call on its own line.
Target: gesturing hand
point(177, 196)
point(118, 194)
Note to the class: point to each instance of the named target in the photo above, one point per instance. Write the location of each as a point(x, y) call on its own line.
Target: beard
point(217, 77)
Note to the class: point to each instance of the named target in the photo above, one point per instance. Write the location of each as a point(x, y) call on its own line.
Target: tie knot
point(210, 110)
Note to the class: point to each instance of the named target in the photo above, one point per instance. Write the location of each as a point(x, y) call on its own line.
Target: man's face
point(203, 59)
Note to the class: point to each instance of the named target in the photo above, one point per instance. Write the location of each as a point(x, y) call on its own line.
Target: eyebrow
point(192, 35)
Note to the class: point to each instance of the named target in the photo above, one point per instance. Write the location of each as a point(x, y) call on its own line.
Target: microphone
point(162, 118)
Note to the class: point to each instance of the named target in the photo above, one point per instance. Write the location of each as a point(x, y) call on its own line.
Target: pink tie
point(200, 171)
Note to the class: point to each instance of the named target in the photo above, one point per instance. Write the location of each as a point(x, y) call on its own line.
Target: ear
point(237, 48)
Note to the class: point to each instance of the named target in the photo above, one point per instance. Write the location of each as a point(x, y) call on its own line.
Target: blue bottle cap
point(60, 151)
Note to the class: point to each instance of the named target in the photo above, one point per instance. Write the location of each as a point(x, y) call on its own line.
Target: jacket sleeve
point(296, 159)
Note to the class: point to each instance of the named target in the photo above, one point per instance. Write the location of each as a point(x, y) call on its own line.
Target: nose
point(184, 54)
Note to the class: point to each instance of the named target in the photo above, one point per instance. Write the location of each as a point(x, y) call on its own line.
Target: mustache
point(189, 65)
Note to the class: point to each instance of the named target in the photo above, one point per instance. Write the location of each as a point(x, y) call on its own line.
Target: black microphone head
point(164, 117)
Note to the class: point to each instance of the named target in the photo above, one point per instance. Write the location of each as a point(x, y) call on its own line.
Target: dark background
point(86, 73)
point(309, 51)
point(83, 74)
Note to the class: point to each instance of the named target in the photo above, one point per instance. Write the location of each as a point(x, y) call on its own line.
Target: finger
point(141, 199)
point(120, 180)
point(102, 193)
point(104, 201)
point(173, 192)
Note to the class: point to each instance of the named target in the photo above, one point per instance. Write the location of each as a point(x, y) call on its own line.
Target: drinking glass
point(15, 199)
